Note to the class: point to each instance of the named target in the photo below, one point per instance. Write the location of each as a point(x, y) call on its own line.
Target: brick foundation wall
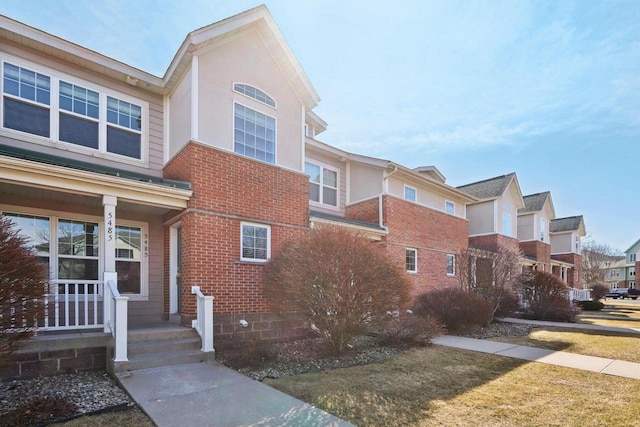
point(538, 250)
point(227, 190)
point(49, 355)
point(433, 233)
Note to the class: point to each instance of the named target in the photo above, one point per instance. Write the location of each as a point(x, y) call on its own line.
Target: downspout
point(385, 190)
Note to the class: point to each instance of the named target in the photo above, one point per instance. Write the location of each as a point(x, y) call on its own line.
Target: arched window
point(254, 93)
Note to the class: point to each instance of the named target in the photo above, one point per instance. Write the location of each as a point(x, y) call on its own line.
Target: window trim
point(275, 104)
point(55, 110)
point(453, 207)
point(415, 260)
point(453, 265)
point(275, 134)
point(255, 224)
point(55, 216)
point(321, 202)
point(415, 193)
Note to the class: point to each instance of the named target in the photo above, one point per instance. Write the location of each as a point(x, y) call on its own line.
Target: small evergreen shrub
point(456, 308)
point(591, 305)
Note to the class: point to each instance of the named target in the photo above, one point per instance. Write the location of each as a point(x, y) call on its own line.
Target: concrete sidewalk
point(602, 365)
point(210, 394)
point(582, 326)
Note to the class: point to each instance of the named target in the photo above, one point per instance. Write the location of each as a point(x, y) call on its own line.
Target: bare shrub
point(491, 274)
point(546, 297)
point(39, 411)
point(456, 307)
point(410, 329)
point(339, 280)
point(599, 291)
point(22, 287)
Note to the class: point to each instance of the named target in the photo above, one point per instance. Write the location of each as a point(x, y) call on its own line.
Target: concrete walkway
point(210, 394)
point(602, 365)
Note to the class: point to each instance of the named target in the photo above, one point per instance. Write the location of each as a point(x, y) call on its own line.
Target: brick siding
point(539, 251)
point(227, 190)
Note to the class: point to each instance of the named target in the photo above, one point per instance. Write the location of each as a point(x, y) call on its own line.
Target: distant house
point(493, 219)
point(566, 247)
point(621, 271)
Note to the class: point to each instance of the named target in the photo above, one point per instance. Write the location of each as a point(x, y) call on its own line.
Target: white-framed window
point(506, 220)
point(323, 183)
point(254, 134)
point(130, 244)
point(632, 257)
point(411, 260)
point(255, 242)
point(410, 193)
point(632, 285)
point(451, 265)
point(542, 229)
point(254, 93)
point(72, 248)
point(449, 207)
point(632, 272)
point(47, 104)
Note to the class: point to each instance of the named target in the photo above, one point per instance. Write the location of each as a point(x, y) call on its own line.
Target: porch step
point(159, 345)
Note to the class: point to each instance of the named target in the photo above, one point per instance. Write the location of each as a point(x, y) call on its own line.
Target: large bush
point(22, 287)
point(340, 281)
point(545, 297)
point(455, 307)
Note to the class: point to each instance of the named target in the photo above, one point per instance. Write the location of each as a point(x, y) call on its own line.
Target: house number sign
point(110, 226)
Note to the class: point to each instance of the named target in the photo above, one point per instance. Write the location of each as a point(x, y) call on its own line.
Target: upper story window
point(632, 257)
point(409, 193)
point(62, 110)
point(26, 101)
point(506, 220)
point(254, 93)
point(323, 184)
point(542, 229)
point(449, 207)
point(254, 134)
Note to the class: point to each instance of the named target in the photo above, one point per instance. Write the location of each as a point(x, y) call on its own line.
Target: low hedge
point(591, 305)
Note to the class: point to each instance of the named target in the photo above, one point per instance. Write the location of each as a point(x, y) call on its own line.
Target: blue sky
point(547, 89)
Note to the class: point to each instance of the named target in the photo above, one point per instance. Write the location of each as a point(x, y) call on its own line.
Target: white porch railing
point(115, 317)
point(203, 323)
point(72, 304)
point(579, 294)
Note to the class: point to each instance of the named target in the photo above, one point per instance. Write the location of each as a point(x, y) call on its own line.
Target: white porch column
point(109, 236)
point(109, 203)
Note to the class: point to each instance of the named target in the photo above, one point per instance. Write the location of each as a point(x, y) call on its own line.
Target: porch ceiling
point(42, 198)
point(55, 178)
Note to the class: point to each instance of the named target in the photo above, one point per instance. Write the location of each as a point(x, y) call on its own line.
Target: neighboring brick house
point(493, 220)
point(566, 247)
point(533, 230)
point(417, 218)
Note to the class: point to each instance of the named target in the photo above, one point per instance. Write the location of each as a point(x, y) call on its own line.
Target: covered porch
point(100, 232)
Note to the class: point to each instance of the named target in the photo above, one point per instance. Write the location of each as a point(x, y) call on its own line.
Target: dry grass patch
point(589, 343)
point(133, 417)
point(444, 386)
